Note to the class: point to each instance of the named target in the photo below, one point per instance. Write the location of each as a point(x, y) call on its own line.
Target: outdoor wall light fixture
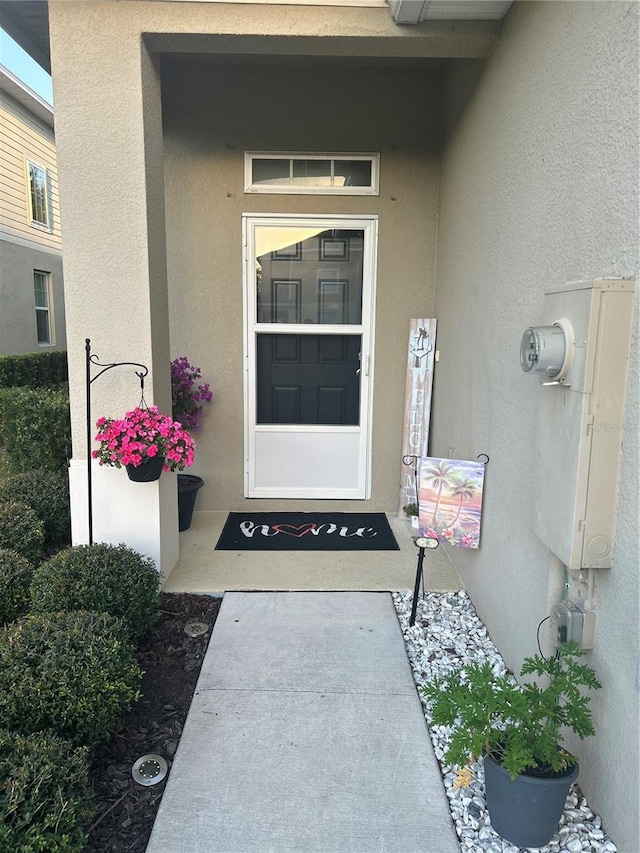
point(422, 543)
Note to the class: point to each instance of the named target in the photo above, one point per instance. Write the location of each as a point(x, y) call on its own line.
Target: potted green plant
point(411, 511)
point(188, 396)
point(517, 729)
point(145, 442)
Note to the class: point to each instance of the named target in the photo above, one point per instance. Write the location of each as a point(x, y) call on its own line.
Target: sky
point(13, 57)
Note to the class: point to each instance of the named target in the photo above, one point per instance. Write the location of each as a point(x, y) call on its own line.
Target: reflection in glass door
point(309, 284)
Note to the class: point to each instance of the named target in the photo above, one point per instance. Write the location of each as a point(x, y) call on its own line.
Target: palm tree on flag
point(464, 489)
point(439, 474)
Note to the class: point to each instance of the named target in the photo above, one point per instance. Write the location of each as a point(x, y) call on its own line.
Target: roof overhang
point(27, 21)
point(26, 97)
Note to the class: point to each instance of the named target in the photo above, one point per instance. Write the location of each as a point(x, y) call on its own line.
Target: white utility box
point(581, 419)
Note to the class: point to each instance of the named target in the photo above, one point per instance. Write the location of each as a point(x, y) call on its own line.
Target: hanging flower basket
point(147, 471)
point(146, 442)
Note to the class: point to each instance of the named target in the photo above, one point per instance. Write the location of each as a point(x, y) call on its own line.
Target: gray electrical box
point(581, 422)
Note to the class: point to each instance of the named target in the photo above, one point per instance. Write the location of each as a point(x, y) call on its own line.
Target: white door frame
point(353, 442)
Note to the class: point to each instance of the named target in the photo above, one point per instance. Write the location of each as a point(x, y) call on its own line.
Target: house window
point(38, 196)
point(317, 174)
point(42, 288)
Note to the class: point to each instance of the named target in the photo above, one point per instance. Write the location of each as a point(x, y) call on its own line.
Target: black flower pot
point(188, 486)
point(526, 810)
point(147, 471)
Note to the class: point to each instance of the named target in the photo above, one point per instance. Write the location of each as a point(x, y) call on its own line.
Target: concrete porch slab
point(202, 569)
point(324, 761)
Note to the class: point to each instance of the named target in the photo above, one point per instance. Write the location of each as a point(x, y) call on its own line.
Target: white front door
point(309, 310)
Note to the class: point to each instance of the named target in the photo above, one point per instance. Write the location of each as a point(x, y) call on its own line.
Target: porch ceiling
point(27, 21)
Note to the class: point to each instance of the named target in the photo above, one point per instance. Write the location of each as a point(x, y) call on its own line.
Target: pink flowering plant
point(143, 434)
point(188, 393)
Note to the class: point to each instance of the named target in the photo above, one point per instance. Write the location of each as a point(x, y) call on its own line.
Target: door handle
point(366, 365)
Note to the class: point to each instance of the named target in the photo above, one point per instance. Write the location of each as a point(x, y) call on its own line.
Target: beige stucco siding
point(96, 51)
point(213, 112)
point(23, 139)
point(539, 186)
point(108, 133)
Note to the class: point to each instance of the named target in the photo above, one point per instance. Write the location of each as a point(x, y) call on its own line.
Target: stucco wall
point(539, 184)
point(107, 121)
point(539, 187)
point(18, 332)
point(212, 113)
point(109, 138)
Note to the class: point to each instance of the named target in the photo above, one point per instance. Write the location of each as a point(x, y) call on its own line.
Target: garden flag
point(451, 500)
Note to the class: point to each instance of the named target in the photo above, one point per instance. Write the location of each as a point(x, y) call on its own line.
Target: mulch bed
point(171, 661)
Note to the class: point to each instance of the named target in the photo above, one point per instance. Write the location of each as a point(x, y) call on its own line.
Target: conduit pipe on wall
point(407, 11)
point(416, 11)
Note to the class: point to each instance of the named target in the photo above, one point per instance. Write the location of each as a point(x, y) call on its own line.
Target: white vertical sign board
point(417, 405)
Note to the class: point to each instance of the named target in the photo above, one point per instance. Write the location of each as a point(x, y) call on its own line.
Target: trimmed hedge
point(36, 428)
point(34, 370)
point(111, 578)
point(70, 673)
point(15, 579)
point(21, 530)
point(45, 798)
point(47, 493)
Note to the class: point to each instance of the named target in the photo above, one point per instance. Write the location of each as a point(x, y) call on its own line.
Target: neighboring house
point(480, 162)
point(31, 284)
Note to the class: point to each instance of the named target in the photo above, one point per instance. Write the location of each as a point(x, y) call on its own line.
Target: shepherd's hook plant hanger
point(92, 361)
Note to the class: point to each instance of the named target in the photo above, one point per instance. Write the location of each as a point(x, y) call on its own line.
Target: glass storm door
point(309, 304)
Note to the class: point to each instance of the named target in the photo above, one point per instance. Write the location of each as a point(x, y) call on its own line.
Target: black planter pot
point(526, 810)
point(188, 486)
point(147, 471)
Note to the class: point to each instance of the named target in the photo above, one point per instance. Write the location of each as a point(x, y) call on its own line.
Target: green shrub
point(15, 579)
point(21, 530)
point(47, 493)
point(36, 428)
point(34, 370)
point(110, 578)
point(44, 795)
point(71, 673)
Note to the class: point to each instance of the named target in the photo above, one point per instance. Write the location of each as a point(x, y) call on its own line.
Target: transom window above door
point(317, 174)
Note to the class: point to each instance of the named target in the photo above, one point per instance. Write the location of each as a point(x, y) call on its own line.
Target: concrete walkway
point(305, 734)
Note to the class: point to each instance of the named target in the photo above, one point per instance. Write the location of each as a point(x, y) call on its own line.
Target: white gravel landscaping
point(447, 634)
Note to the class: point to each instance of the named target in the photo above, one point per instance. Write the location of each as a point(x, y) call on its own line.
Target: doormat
point(307, 531)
